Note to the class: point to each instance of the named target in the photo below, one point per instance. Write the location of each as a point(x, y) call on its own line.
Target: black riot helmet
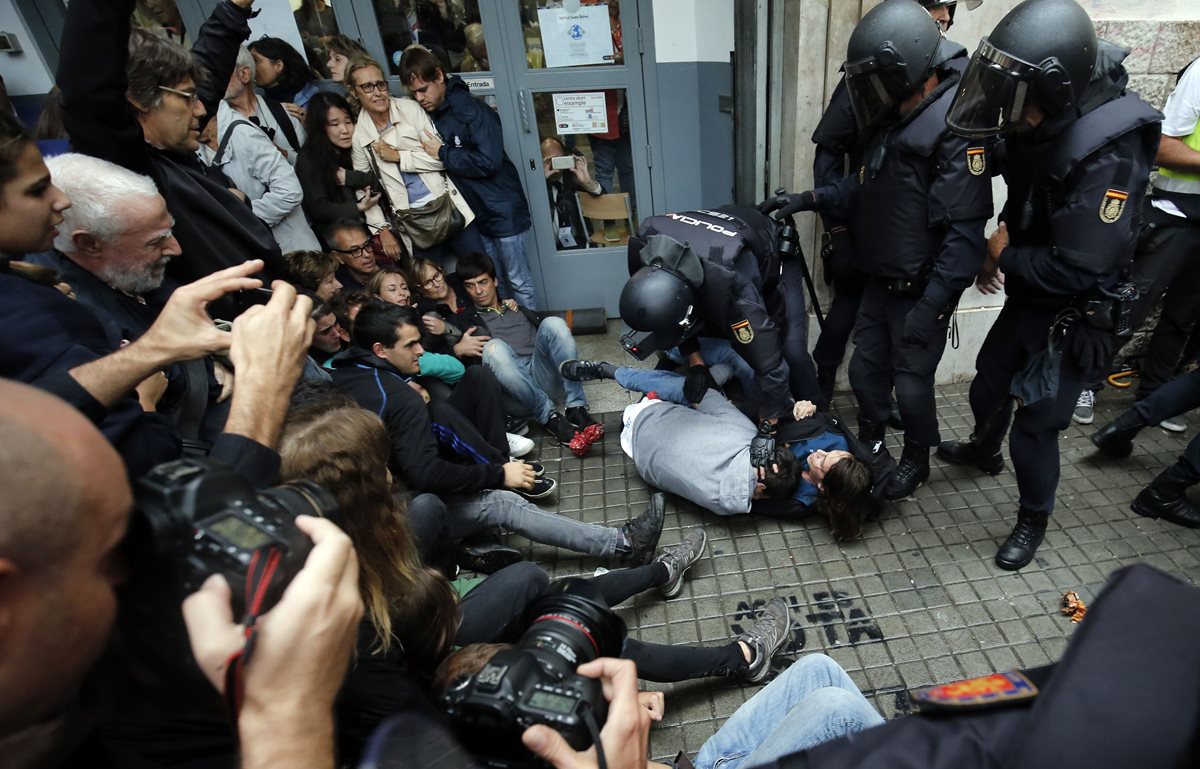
point(890, 55)
point(950, 6)
point(1041, 52)
point(662, 305)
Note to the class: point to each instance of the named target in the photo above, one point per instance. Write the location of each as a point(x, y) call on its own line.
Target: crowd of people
point(315, 283)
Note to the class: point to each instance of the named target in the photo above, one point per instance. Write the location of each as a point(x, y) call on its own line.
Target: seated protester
point(444, 312)
point(391, 286)
point(142, 106)
point(380, 372)
point(524, 352)
point(314, 272)
point(346, 305)
point(265, 112)
point(412, 619)
point(282, 72)
point(113, 248)
point(248, 156)
point(703, 454)
point(326, 342)
point(350, 242)
point(333, 189)
point(562, 184)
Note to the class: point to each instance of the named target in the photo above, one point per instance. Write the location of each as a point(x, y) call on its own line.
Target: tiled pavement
point(916, 600)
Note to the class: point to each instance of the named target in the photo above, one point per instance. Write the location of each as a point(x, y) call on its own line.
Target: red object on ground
point(582, 442)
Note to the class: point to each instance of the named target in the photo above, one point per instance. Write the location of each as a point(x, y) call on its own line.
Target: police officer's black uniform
point(917, 204)
point(1075, 186)
point(734, 286)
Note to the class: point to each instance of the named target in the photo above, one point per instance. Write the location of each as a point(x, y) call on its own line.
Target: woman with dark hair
point(30, 205)
point(333, 189)
point(282, 72)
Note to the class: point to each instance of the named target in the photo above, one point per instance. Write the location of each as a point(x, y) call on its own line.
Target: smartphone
point(562, 162)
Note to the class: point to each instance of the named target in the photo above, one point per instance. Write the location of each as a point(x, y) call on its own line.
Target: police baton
point(789, 248)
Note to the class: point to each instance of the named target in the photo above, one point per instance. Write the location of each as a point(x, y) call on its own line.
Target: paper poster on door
point(580, 113)
point(571, 38)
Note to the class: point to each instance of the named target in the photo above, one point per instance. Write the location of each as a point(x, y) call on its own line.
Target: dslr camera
point(535, 681)
point(194, 518)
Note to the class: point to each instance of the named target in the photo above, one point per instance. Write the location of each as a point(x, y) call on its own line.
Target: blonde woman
point(387, 139)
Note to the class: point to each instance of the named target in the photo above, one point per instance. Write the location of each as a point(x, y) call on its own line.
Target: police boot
point(973, 452)
point(870, 434)
point(1018, 550)
point(911, 472)
point(826, 379)
point(1116, 438)
point(1166, 497)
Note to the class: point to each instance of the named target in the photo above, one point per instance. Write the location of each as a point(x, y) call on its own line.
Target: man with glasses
point(144, 111)
point(350, 242)
point(263, 111)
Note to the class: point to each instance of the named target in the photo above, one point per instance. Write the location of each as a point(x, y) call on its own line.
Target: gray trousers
point(497, 509)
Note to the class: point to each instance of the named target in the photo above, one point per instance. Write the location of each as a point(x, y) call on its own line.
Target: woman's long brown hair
point(345, 450)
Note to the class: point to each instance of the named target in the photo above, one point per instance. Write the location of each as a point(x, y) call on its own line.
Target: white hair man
point(247, 152)
point(281, 127)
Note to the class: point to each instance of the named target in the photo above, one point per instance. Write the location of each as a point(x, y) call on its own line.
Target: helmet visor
point(992, 95)
point(869, 96)
point(643, 344)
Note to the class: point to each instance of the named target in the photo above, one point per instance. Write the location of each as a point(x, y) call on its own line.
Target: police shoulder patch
point(982, 692)
point(976, 160)
point(1113, 205)
point(742, 332)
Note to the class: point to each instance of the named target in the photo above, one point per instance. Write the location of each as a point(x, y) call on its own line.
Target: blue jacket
point(473, 154)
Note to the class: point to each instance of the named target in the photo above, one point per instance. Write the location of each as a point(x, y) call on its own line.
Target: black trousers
point(495, 612)
point(839, 322)
point(1167, 260)
point(475, 414)
point(426, 515)
point(882, 359)
point(802, 373)
point(1019, 334)
point(1176, 397)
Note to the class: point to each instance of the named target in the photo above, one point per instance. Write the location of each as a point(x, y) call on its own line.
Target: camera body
point(562, 162)
point(535, 682)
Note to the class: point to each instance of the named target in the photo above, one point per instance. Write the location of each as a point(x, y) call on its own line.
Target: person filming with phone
point(566, 174)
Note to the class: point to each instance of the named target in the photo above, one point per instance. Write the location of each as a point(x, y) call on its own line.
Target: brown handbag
point(435, 222)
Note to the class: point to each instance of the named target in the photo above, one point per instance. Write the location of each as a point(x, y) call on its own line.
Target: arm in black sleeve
point(318, 202)
point(960, 202)
point(837, 199)
point(256, 462)
point(92, 83)
point(764, 349)
point(958, 262)
point(216, 49)
point(828, 167)
point(415, 450)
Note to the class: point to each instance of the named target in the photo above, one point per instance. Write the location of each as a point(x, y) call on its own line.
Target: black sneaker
point(579, 416)
point(584, 370)
point(643, 532)
point(766, 638)
point(560, 429)
point(516, 425)
point(487, 558)
point(679, 558)
point(542, 487)
point(538, 468)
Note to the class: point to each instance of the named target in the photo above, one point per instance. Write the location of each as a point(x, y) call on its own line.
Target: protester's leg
point(669, 386)
point(514, 278)
point(427, 518)
point(811, 702)
point(494, 609)
point(663, 663)
point(620, 585)
point(516, 379)
point(495, 509)
point(478, 396)
point(553, 345)
point(457, 434)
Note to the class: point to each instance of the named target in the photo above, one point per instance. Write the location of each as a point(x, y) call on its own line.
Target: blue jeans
point(514, 280)
point(720, 352)
point(532, 382)
point(811, 702)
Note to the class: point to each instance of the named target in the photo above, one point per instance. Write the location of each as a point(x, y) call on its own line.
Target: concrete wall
point(692, 44)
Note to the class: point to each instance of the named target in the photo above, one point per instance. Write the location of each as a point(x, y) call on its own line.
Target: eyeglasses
point(358, 252)
point(435, 280)
point(370, 87)
point(191, 96)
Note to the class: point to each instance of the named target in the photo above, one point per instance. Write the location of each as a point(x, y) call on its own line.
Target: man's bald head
point(62, 515)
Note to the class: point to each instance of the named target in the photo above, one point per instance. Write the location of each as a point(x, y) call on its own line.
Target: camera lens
point(573, 622)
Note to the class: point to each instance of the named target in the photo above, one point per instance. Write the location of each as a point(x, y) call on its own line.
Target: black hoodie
point(377, 386)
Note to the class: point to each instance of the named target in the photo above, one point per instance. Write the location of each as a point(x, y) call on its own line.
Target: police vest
point(893, 231)
point(1181, 181)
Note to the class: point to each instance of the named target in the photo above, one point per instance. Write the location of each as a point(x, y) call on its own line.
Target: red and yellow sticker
point(742, 332)
point(1113, 205)
point(976, 160)
point(992, 689)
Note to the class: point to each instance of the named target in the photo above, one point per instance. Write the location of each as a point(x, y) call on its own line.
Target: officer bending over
point(917, 204)
point(1078, 158)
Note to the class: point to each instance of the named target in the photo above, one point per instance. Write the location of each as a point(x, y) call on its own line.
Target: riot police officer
point(917, 203)
point(721, 273)
point(838, 147)
point(1078, 158)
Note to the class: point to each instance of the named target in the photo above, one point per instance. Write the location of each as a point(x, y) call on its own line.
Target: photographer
point(567, 174)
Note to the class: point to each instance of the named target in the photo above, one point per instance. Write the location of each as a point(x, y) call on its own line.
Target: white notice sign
point(571, 39)
point(580, 113)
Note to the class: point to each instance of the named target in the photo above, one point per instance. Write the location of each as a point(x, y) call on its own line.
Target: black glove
point(1089, 348)
point(697, 383)
point(920, 322)
point(762, 448)
point(787, 205)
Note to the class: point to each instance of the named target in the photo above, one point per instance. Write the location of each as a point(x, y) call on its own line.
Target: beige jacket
point(409, 121)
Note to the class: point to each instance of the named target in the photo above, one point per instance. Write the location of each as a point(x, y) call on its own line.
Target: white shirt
point(1180, 116)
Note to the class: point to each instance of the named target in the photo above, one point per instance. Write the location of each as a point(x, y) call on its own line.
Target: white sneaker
point(518, 446)
point(1173, 424)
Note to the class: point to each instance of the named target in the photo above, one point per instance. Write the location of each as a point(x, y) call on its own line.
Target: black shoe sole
point(1146, 512)
point(897, 497)
point(541, 494)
